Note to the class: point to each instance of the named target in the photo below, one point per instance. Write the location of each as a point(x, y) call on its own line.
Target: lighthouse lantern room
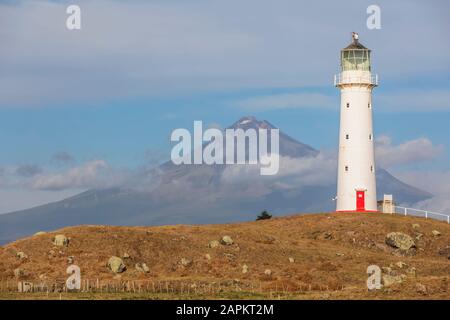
point(356, 187)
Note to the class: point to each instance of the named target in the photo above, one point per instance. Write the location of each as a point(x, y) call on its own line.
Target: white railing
point(364, 79)
point(421, 213)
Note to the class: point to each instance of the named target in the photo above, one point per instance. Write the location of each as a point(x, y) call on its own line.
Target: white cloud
point(288, 101)
point(96, 173)
point(143, 48)
point(412, 151)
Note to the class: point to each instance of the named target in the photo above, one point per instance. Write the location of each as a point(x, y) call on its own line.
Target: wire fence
point(421, 213)
point(164, 287)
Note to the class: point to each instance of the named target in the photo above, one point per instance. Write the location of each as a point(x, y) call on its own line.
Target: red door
point(360, 200)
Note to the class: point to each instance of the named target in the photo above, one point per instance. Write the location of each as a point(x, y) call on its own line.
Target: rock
point(419, 236)
point(411, 271)
point(226, 240)
point(185, 262)
point(142, 267)
point(389, 280)
point(401, 264)
point(61, 240)
point(436, 233)
point(116, 265)
point(19, 273)
point(244, 268)
point(208, 256)
point(291, 260)
point(415, 226)
point(387, 270)
point(70, 259)
point(339, 254)
point(268, 272)
point(328, 236)
point(420, 288)
point(39, 233)
point(213, 244)
point(21, 255)
point(400, 241)
point(126, 256)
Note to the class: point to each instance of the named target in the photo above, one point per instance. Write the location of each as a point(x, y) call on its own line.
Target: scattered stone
point(328, 236)
point(416, 226)
point(419, 236)
point(400, 241)
point(420, 288)
point(339, 254)
point(142, 267)
point(70, 259)
point(39, 233)
point(386, 270)
point(21, 255)
point(389, 280)
point(401, 264)
point(411, 271)
point(42, 277)
point(436, 233)
point(291, 260)
point(244, 268)
point(214, 244)
point(185, 262)
point(126, 255)
point(268, 272)
point(208, 256)
point(61, 240)
point(116, 265)
point(19, 273)
point(226, 240)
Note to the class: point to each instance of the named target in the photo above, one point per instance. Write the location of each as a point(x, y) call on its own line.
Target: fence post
point(406, 209)
point(426, 214)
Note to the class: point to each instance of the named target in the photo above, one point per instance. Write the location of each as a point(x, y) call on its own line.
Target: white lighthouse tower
point(356, 187)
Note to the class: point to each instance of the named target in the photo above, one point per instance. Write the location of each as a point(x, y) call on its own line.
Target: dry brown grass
point(331, 252)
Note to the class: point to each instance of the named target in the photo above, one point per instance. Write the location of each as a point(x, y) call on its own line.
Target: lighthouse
point(356, 185)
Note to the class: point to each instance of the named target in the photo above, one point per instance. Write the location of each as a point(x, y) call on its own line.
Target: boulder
point(436, 233)
point(61, 240)
point(226, 240)
point(291, 260)
point(116, 265)
point(185, 262)
point(213, 244)
point(400, 264)
point(21, 255)
point(420, 288)
point(244, 268)
point(400, 241)
point(142, 267)
point(389, 280)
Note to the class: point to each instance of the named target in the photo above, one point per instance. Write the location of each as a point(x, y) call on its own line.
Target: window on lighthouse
point(371, 168)
point(369, 105)
point(346, 168)
point(348, 105)
point(347, 136)
point(370, 136)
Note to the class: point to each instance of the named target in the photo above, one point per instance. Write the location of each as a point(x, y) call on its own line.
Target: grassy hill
point(309, 256)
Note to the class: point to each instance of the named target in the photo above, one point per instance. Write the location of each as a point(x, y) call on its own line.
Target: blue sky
point(137, 70)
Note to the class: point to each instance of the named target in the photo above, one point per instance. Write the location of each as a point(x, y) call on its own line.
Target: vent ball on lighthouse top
point(355, 57)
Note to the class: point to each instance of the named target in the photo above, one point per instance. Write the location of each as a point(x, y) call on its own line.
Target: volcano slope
point(311, 256)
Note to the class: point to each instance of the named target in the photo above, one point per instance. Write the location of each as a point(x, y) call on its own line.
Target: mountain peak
point(248, 122)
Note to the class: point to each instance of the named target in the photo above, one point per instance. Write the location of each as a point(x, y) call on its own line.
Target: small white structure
point(388, 204)
point(356, 187)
